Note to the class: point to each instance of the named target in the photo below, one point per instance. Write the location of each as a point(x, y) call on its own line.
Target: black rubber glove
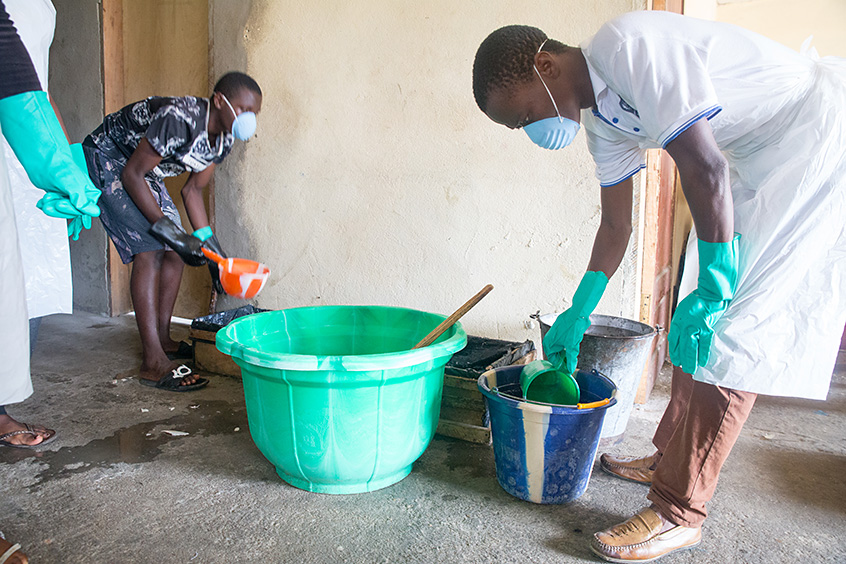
point(186, 246)
point(213, 244)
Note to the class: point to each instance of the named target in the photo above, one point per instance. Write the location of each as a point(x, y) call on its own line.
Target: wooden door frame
point(116, 89)
point(657, 273)
point(118, 273)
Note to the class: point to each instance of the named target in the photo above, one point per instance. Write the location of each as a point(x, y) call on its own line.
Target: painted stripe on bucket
point(535, 426)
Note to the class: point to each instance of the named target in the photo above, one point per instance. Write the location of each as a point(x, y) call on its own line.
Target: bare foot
point(157, 372)
point(27, 435)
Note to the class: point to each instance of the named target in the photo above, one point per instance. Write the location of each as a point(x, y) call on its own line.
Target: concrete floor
point(114, 488)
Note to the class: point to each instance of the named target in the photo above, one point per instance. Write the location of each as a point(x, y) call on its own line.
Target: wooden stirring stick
point(450, 321)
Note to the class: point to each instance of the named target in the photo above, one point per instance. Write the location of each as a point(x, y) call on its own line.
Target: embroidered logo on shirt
point(627, 108)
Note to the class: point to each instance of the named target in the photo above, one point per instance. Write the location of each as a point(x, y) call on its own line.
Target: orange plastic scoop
point(240, 278)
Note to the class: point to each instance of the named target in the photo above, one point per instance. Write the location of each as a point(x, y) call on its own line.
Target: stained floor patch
point(136, 444)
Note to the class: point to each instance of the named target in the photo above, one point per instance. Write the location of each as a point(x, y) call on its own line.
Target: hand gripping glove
point(36, 137)
point(692, 328)
point(562, 341)
point(186, 246)
point(80, 222)
point(210, 241)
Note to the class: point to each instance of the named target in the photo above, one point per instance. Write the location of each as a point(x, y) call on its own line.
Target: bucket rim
point(228, 344)
point(599, 316)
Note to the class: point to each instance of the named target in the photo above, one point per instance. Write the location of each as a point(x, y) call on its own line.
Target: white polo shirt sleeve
point(617, 156)
point(658, 73)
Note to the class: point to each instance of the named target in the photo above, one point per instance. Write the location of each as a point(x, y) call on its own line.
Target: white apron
point(15, 384)
point(780, 119)
point(781, 333)
point(43, 239)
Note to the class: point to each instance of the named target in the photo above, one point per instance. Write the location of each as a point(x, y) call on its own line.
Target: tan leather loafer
point(638, 470)
point(640, 539)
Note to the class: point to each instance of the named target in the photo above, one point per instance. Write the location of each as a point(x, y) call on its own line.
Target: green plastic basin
point(336, 399)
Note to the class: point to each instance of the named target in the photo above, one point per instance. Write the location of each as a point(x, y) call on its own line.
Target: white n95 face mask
point(551, 133)
point(244, 125)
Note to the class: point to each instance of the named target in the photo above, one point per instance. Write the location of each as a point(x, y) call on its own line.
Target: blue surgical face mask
point(244, 124)
point(555, 132)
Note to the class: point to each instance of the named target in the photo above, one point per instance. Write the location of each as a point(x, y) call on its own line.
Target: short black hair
point(506, 57)
point(233, 82)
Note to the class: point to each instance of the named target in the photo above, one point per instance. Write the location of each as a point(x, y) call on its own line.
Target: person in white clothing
point(29, 124)
point(42, 242)
point(30, 127)
point(43, 239)
point(758, 134)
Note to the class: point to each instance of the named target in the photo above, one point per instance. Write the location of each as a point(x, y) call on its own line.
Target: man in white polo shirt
point(758, 133)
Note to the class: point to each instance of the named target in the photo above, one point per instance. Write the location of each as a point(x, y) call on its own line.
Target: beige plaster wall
point(790, 22)
point(375, 179)
point(787, 21)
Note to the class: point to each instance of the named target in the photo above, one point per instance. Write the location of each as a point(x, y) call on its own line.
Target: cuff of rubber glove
point(718, 269)
point(203, 233)
point(589, 292)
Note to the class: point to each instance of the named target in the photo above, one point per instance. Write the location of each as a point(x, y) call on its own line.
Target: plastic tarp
point(43, 240)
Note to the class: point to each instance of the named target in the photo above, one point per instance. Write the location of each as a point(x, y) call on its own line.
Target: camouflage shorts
point(126, 225)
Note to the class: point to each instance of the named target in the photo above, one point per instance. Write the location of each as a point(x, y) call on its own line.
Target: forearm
point(615, 228)
point(704, 177)
point(192, 197)
point(609, 248)
point(708, 195)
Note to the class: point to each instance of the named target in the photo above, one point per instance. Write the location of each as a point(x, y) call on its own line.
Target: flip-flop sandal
point(28, 431)
point(172, 381)
point(12, 548)
point(185, 350)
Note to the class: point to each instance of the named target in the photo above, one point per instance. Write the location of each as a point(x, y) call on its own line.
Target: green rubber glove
point(692, 327)
point(561, 343)
point(36, 137)
point(209, 240)
point(80, 222)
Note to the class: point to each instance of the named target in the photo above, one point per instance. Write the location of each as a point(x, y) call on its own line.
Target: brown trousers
point(695, 436)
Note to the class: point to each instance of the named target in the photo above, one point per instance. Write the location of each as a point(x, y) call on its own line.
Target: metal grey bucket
point(618, 348)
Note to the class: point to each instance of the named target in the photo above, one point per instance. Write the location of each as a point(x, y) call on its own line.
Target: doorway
point(156, 48)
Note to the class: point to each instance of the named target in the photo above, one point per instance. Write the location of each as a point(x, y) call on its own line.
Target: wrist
point(203, 233)
point(718, 269)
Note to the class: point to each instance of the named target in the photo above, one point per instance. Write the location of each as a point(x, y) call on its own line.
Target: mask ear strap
point(554, 105)
point(225, 99)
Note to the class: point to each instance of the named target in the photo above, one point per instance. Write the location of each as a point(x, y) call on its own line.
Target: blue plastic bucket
point(544, 452)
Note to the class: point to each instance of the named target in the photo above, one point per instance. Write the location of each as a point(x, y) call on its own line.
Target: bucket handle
point(593, 404)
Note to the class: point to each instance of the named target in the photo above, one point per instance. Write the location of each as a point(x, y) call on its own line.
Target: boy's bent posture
point(128, 157)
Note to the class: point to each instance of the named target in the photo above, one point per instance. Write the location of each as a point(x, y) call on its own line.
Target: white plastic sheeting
point(15, 384)
point(781, 332)
point(43, 239)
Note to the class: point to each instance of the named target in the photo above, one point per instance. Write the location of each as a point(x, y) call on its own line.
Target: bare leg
point(144, 287)
point(169, 281)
